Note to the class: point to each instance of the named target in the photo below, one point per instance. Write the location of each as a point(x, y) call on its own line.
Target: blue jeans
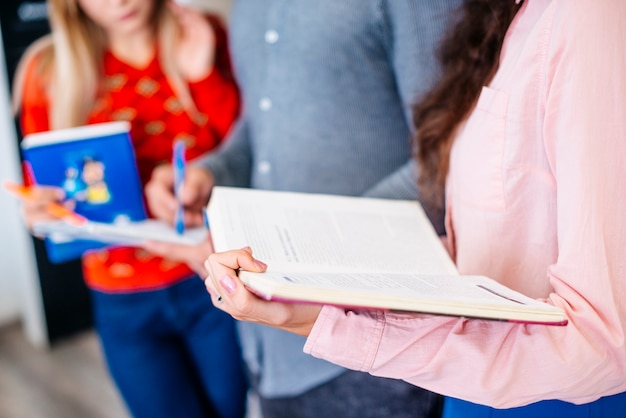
point(607, 407)
point(171, 353)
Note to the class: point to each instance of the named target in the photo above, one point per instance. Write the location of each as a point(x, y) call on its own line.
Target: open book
point(358, 253)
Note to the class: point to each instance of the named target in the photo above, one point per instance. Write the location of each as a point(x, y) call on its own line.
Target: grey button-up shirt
point(327, 88)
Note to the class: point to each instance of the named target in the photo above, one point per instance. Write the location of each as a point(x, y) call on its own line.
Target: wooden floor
point(68, 380)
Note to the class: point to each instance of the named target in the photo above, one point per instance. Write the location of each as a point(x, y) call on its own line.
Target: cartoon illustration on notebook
point(96, 188)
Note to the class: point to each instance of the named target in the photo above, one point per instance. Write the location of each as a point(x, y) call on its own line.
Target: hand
point(195, 51)
point(35, 207)
point(192, 255)
point(230, 295)
point(195, 194)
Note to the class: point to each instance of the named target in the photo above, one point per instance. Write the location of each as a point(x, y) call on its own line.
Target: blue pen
point(205, 218)
point(178, 161)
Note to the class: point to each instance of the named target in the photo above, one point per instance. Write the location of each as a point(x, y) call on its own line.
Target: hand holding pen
point(163, 202)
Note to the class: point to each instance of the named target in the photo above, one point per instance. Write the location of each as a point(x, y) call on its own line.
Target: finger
point(159, 193)
point(232, 297)
point(222, 269)
point(217, 299)
point(37, 201)
point(195, 195)
point(196, 188)
point(234, 260)
point(210, 287)
point(219, 265)
point(229, 297)
point(44, 194)
point(161, 181)
point(194, 218)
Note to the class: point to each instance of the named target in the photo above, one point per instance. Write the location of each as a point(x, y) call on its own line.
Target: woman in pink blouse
point(528, 131)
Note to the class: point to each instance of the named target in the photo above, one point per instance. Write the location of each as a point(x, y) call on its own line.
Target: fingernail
point(228, 284)
point(261, 265)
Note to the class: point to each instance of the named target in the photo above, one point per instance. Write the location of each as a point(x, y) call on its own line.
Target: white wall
point(20, 295)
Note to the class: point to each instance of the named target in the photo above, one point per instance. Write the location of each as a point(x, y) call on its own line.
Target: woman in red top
point(166, 71)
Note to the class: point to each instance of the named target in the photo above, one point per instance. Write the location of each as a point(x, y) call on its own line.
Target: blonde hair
point(70, 62)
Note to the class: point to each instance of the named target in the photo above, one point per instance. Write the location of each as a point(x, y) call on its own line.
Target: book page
point(470, 296)
point(122, 233)
point(445, 289)
point(313, 232)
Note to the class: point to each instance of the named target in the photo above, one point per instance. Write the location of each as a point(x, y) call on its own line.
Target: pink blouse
point(537, 200)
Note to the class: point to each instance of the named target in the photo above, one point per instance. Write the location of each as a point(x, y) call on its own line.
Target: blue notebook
point(96, 166)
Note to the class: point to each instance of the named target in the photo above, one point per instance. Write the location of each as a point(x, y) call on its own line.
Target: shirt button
point(271, 36)
point(264, 167)
point(265, 103)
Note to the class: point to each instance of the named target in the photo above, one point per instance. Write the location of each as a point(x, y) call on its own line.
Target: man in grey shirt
point(327, 87)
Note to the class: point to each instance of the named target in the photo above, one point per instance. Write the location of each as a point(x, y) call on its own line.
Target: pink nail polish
point(228, 284)
point(261, 265)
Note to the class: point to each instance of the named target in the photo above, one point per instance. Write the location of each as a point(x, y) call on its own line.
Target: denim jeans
point(171, 353)
point(607, 407)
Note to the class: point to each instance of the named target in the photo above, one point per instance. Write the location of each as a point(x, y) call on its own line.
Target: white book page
point(127, 233)
point(323, 233)
point(475, 290)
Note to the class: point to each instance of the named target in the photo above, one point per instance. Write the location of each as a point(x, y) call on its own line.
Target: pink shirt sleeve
point(562, 207)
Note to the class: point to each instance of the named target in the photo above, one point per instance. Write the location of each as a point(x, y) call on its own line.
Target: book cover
point(358, 252)
point(95, 165)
